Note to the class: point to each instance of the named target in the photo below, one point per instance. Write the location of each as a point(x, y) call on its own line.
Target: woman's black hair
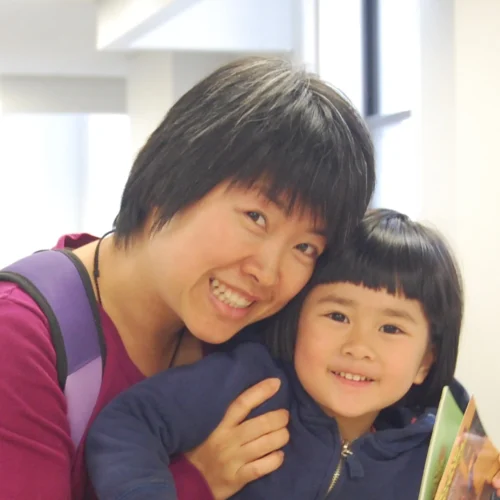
point(389, 251)
point(257, 120)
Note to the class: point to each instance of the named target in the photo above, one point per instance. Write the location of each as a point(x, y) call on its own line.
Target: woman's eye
point(391, 329)
point(308, 249)
point(258, 218)
point(339, 317)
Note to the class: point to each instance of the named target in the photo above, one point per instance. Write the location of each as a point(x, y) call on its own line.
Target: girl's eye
point(258, 218)
point(308, 249)
point(339, 317)
point(391, 329)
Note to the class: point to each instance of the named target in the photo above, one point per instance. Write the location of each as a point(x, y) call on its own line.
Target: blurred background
point(83, 83)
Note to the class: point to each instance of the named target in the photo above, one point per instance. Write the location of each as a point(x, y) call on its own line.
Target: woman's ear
point(425, 366)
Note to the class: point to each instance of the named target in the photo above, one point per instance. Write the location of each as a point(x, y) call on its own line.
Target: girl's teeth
point(352, 376)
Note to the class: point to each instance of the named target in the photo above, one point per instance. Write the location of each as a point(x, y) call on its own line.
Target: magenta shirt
point(37, 457)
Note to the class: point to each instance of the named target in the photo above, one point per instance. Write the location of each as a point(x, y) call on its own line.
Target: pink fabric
point(37, 457)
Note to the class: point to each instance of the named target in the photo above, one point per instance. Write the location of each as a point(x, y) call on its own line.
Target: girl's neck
point(352, 428)
point(148, 328)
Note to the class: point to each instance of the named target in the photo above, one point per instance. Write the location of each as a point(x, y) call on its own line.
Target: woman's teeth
point(229, 297)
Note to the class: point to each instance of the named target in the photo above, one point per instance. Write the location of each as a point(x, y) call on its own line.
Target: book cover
point(448, 420)
point(472, 463)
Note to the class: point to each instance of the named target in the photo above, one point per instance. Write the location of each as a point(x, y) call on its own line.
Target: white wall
point(53, 38)
point(460, 105)
point(41, 164)
point(225, 26)
point(191, 67)
point(157, 79)
point(340, 47)
point(149, 94)
point(46, 94)
point(59, 173)
point(477, 202)
point(198, 25)
point(398, 172)
point(398, 47)
point(62, 162)
point(108, 163)
point(436, 112)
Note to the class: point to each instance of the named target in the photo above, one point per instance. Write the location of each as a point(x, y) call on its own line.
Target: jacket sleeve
point(36, 451)
point(132, 439)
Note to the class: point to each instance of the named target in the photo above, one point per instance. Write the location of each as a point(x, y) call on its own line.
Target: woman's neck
point(148, 328)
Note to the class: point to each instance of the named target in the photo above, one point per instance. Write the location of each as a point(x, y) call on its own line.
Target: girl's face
point(360, 350)
point(231, 259)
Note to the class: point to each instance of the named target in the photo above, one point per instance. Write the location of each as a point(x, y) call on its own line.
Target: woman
point(252, 175)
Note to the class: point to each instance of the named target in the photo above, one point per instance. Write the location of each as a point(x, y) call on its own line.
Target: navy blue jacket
point(129, 445)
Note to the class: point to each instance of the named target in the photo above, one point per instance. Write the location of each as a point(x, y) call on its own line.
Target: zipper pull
point(346, 449)
point(354, 467)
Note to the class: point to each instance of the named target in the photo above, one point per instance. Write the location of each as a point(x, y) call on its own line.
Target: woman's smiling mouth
point(229, 296)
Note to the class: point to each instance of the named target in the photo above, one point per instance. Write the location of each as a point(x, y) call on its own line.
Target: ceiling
point(53, 37)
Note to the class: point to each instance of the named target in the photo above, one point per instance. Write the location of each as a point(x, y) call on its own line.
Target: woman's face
point(231, 259)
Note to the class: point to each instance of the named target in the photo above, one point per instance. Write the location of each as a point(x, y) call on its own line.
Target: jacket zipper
point(344, 453)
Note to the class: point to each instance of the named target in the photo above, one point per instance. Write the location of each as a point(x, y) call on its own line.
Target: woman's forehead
point(285, 200)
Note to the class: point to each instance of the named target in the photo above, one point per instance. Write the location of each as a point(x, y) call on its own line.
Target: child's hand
point(496, 479)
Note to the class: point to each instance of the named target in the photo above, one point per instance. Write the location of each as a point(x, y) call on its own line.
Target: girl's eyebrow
point(335, 299)
point(399, 313)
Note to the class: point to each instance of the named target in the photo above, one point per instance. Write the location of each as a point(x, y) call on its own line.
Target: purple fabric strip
point(58, 280)
point(82, 390)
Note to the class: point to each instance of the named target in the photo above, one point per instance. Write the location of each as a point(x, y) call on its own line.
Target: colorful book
point(462, 460)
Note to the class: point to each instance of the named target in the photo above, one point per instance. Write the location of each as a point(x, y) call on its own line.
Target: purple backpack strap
point(59, 284)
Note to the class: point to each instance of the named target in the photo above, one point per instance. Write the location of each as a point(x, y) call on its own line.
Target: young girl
point(361, 357)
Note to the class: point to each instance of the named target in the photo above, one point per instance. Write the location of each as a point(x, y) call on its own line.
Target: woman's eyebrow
point(284, 208)
point(319, 232)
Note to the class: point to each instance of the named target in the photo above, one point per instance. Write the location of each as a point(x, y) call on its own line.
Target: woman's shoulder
point(21, 320)
point(26, 351)
point(33, 425)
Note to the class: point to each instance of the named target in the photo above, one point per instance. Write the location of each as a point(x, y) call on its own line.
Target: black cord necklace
point(96, 272)
point(96, 275)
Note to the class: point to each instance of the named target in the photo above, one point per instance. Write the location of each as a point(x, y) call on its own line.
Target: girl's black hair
point(391, 252)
